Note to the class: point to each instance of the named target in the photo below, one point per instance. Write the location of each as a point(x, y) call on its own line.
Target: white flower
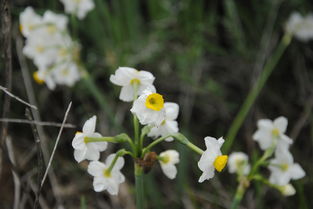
point(29, 21)
point(128, 78)
point(270, 132)
point(78, 7)
point(212, 158)
point(149, 108)
point(169, 125)
point(287, 190)
point(238, 162)
point(283, 168)
point(167, 160)
point(66, 73)
point(301, 27)
point(105, 179)
point(83, 148)
point(55, 23)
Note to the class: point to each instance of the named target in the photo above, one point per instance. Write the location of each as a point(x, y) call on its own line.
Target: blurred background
point(206, 56)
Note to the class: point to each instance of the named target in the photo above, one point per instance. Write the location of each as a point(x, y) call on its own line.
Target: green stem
point(255, 91)
point(119, 153)
point(101, 139)
point(238, 196)
point(268, 153)
point(100, 98)
point(136, 134)
point(180, 138)
point(139, 186)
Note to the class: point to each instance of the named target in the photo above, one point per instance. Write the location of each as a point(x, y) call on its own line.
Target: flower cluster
point(272, 138)
point(158, 119)
point(80, 8)
point(50, 46)
point(300, 26)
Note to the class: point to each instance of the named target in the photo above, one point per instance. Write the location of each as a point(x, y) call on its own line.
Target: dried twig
point(40, 123)
point(56, 144)
point(16, 179)
point(5, 13)
point(17, 98)
point(39, 156)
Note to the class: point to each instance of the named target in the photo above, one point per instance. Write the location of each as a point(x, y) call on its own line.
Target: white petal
point(171, 110)
point(96, 168)
point(90, 125)
point(265, 123)
point(281, 123)
point(127, 93)
point(206, 175)
point(80, 155)
point(92, 153)
point(99, 184)
point(123, 76)
point(296, 171)
point(78, 141)
point(169, 170)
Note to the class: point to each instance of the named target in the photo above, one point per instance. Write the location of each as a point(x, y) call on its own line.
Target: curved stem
point(119, 153)
point(255, 91)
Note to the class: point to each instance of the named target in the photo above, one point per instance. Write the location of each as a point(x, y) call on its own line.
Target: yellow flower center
point(51, 29)
point(39, 49)
point(284, 167)
point(155, 102)
point(163, 122)
point(220, 162)
point(275, 132)
point(65, 72)
point(135, 81)
point(37, 79)
point(107, 173)
point(165, 159)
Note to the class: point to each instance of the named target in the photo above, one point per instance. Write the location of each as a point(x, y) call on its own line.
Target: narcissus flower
point(29, 21)
point(167, 160)
point(212, 158)
point(131, 79)
point(149, 108)
point(238, 163)
point(169, 125)
point(283, 168)
point(106, 178)
point(300, 26)
point(85, 149)
point(78, 7)
point(272, 132)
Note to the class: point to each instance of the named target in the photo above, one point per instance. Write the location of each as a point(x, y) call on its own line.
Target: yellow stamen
point(135, 81)
point(220, 162)
point(284, 167)
point(163, 122)
point(37, 79)
point(275, 132)
point(51, 29)
point(78, 132)
point(155, 102)
point(39, 49)
point(107, 173)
